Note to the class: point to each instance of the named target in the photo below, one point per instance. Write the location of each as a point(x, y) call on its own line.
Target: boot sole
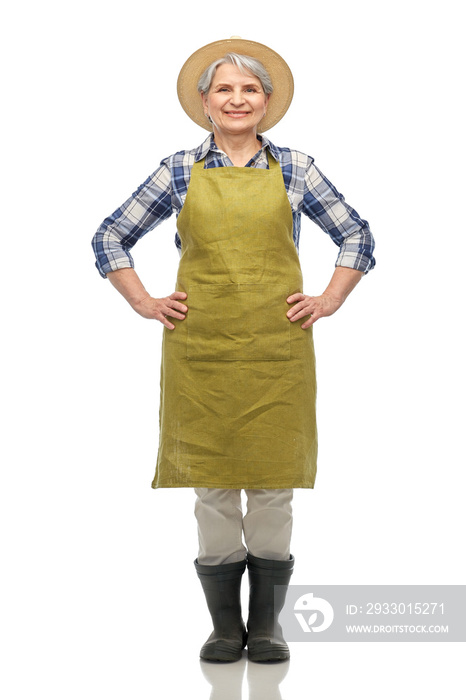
point(220, 655)
point(223, 650)
point(269, 652)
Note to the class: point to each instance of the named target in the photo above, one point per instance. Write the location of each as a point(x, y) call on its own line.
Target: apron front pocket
point(228, 322)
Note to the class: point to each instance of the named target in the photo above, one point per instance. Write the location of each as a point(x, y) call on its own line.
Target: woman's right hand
point(159, 309)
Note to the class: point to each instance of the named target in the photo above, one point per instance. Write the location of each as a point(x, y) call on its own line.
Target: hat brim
point(280, 74)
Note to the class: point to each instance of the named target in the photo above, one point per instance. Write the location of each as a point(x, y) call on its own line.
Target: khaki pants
point(267, 524)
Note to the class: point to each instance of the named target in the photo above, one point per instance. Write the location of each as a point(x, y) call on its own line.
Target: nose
point(236, 97)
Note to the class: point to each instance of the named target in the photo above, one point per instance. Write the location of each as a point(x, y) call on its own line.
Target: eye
point(251, 89)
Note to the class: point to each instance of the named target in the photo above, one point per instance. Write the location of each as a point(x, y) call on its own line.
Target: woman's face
point(236, 102)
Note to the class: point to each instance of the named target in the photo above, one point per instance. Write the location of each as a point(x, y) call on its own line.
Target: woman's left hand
point(315, 307)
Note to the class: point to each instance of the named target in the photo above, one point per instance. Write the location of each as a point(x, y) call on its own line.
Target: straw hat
point(280, 74)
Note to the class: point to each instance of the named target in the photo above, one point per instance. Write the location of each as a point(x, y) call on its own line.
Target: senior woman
point(237, 405)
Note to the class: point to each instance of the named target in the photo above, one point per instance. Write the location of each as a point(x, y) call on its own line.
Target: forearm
point(127, 282)
point(344, 280)
point(144, 210)
point(327, 207)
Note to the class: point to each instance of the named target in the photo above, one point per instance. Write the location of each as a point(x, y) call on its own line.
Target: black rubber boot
point(265, 636)
point(222, 586)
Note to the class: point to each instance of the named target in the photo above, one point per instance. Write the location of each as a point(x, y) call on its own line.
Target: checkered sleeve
point(147, 207)
point(327, 207)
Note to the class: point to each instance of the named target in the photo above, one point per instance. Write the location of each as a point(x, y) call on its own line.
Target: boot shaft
point(265, 601)
point(221, 585)
point(222, 589)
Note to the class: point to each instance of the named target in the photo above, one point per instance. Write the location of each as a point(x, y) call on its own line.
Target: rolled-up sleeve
point(143, 211)
point(327, 207)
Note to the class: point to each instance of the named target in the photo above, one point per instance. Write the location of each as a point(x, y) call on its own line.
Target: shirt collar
point(268, 144)
point(204, 148)
point(210, 145)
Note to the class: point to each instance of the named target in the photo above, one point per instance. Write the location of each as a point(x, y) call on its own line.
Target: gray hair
point(246, 64)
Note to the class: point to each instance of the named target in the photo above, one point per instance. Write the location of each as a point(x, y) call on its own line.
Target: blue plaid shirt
point(164, 192)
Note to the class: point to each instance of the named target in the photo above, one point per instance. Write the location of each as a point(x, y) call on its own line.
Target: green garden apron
point(237, 404)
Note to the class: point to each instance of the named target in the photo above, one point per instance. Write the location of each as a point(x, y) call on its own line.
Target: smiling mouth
point(236, 114)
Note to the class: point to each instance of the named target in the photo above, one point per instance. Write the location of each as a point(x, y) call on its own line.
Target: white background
point(99, 591)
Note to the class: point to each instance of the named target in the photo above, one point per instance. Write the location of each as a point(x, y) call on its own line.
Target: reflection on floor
point(227, 679)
